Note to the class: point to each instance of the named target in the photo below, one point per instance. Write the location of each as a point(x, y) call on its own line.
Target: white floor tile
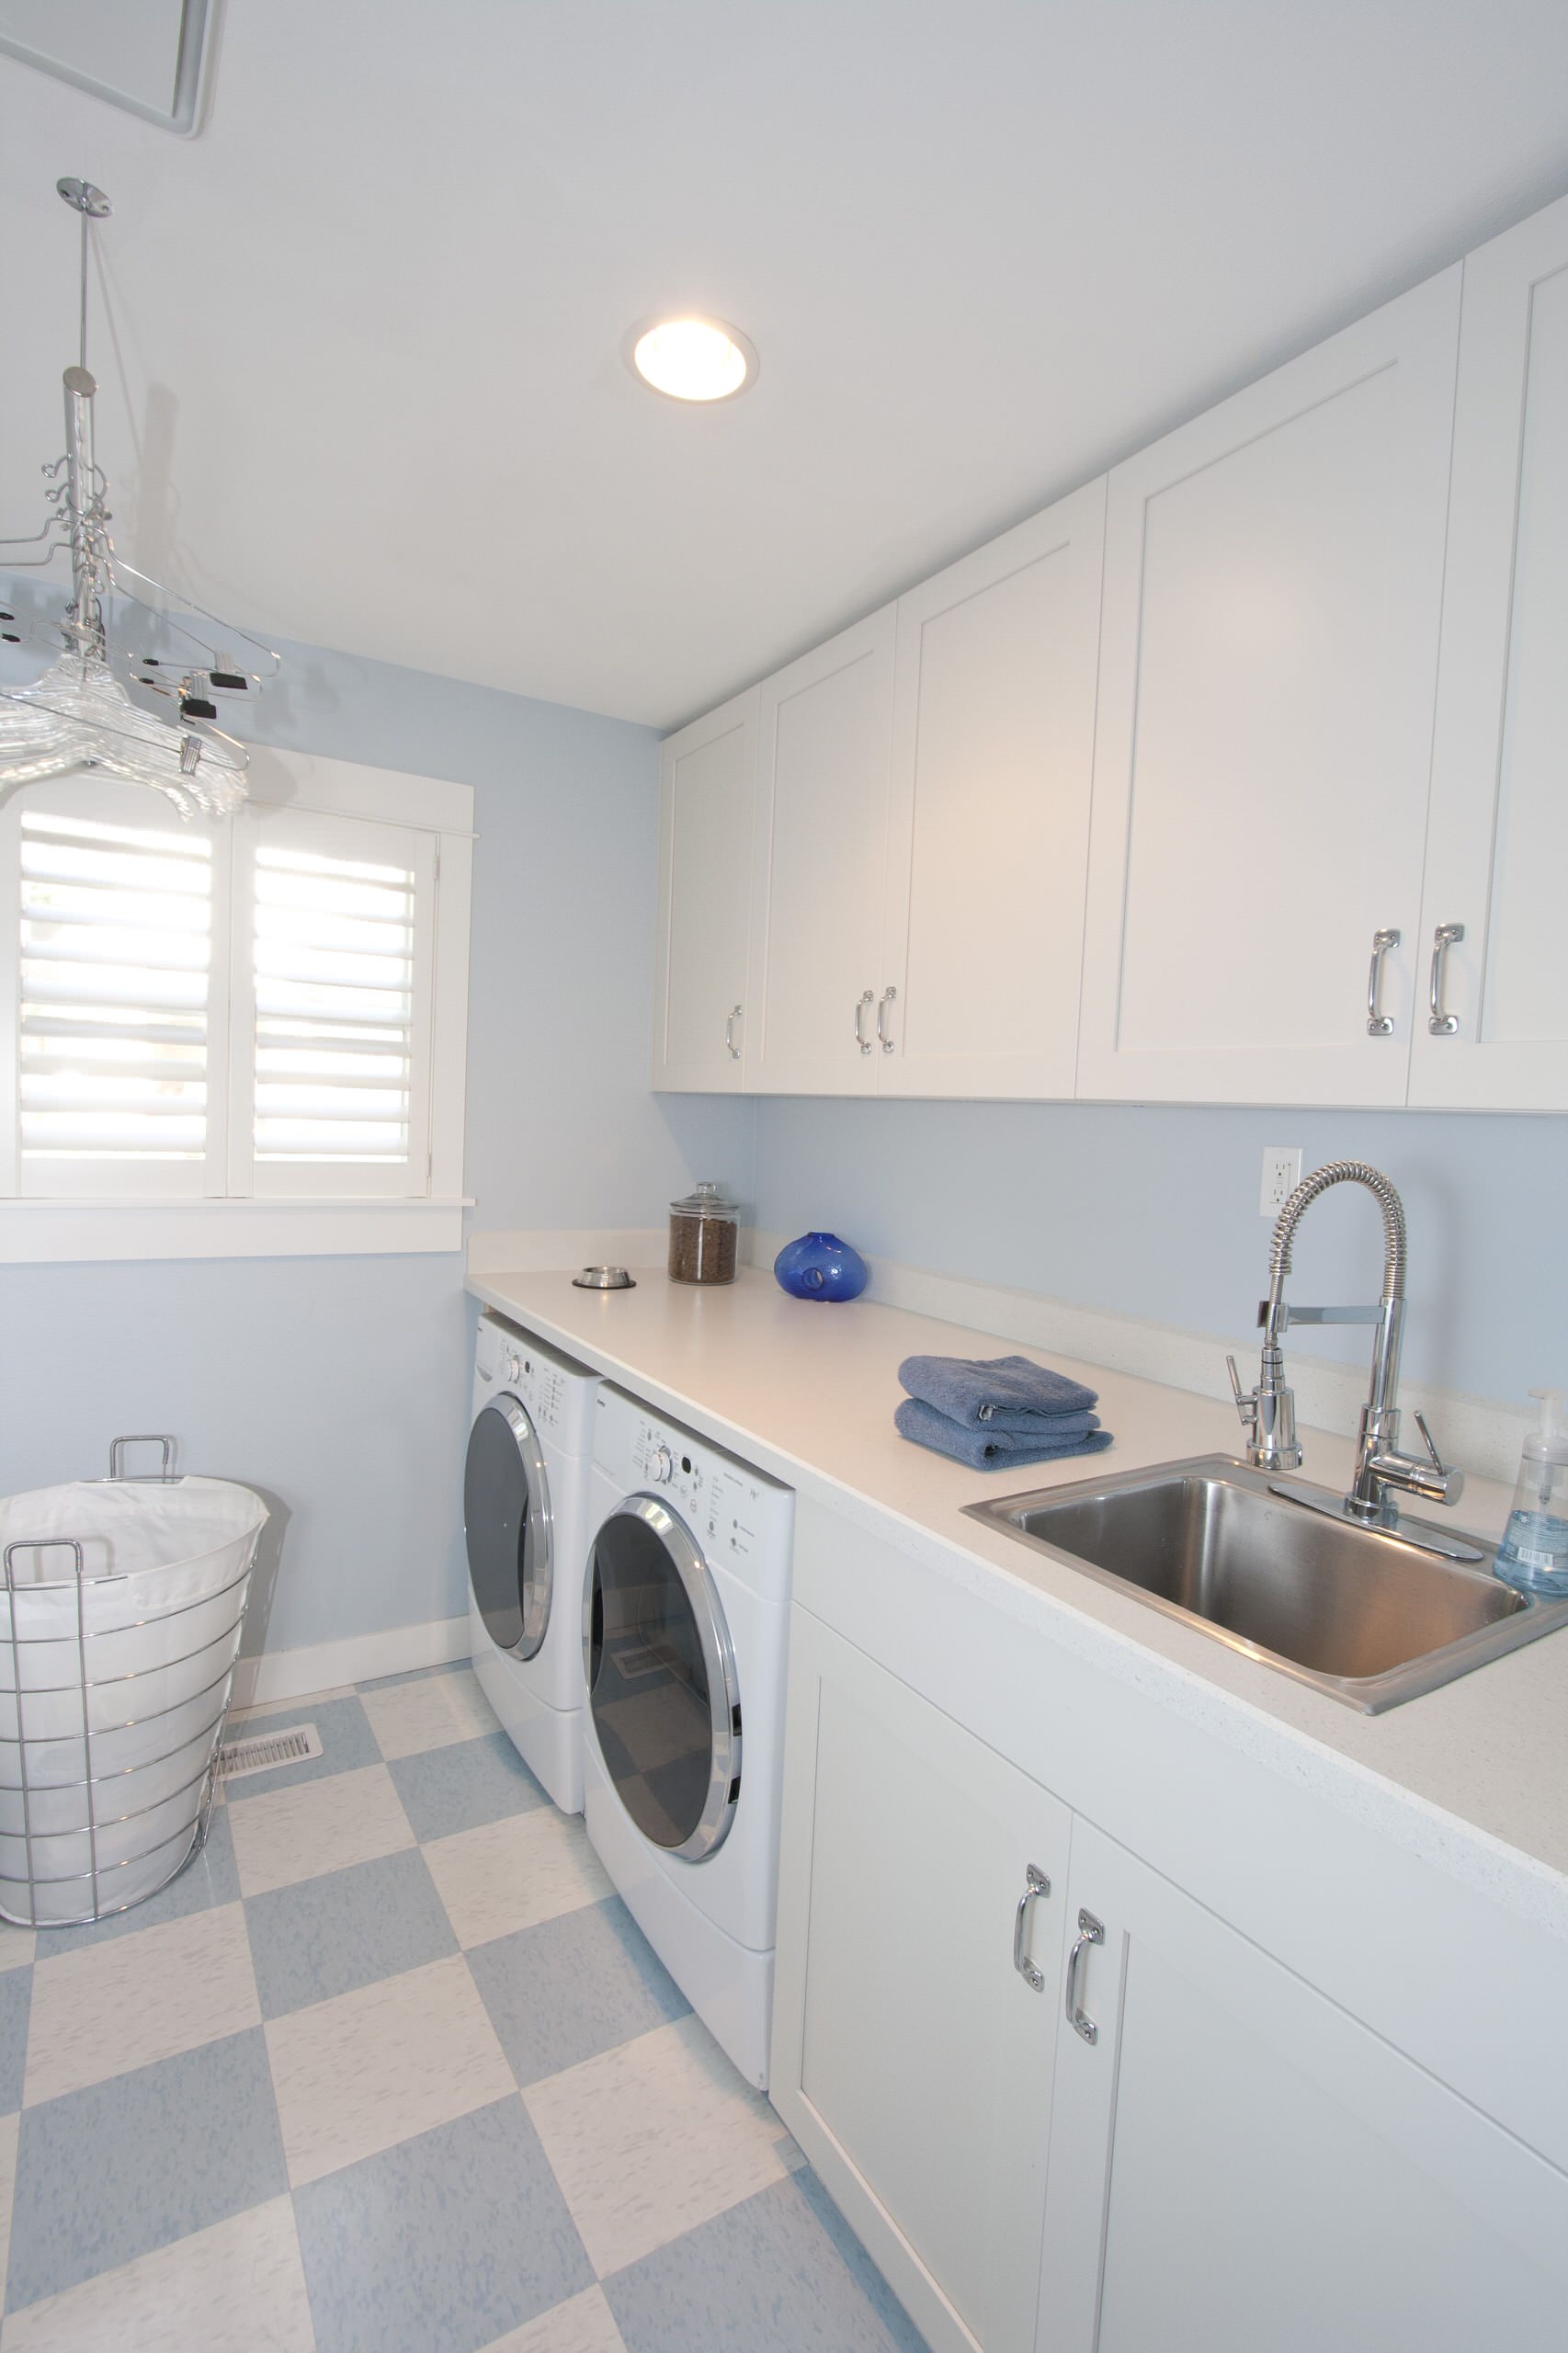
point(9, 2128)
point(102, 2010)
point(318, 1826)
point(431, 1713)
point(649, 2140)
point(512, 1873)
point(585, 2325)
point(369, 2069)
point(236, 2287)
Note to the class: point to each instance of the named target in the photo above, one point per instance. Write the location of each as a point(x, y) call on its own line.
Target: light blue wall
point(1154, 1212)
point(340, 1385)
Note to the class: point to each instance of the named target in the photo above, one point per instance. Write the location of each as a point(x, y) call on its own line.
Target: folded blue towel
point(999, 1393)
point(1070, 1434)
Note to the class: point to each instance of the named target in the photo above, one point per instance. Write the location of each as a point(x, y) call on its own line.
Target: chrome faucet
point(1268, 1412)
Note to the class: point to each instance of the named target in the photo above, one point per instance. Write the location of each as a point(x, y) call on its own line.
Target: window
point(215, 1025)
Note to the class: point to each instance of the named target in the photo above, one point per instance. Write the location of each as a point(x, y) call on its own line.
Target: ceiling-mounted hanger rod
point(93, 205)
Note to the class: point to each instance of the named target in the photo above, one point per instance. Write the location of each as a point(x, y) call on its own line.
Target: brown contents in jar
point(702, 1249)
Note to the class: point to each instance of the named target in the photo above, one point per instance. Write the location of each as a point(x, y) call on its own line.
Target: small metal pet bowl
point(604, 1279)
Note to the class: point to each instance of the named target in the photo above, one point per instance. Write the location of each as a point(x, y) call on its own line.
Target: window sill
point(40, 1233)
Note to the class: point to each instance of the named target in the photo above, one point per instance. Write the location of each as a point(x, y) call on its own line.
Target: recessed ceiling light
point(691, 358)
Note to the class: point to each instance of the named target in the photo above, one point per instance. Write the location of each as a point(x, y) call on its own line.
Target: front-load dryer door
point(507, 1523)
point(661, 1677)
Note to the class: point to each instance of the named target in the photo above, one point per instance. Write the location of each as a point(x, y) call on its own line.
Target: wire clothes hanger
point(79, 714)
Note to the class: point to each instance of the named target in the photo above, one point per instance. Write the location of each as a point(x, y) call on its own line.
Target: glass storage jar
point(704, 1236)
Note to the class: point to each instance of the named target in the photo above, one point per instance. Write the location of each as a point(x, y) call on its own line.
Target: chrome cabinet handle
point(1090, 1932)
point(730, 1021)
point(1441, 1024)
point(883, 1002)
point(1379, 1025)
point(1035, 1884)
point(866, 997)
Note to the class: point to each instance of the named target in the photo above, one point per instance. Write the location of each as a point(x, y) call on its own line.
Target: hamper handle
point(43, 1544)
point(166, 1476)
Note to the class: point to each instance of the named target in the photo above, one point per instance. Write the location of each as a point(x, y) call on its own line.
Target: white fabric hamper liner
point(125, 1678)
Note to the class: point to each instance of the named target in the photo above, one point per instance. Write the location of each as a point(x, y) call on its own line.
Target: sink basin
point(1363, 1613)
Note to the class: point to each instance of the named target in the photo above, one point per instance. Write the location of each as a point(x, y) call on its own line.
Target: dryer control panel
point(555, 1391)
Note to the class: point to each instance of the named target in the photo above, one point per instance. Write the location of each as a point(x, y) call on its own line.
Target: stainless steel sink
point(1364, 1614)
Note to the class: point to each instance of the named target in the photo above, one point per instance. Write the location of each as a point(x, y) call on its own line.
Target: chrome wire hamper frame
point(98, 1880)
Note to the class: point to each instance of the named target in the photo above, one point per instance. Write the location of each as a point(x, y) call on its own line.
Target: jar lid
point(706, 1201)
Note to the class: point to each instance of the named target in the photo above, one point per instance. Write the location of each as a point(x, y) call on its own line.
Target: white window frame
point(247, 1211)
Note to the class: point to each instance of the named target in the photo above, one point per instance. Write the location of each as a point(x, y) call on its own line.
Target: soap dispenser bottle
point(1533, 1554)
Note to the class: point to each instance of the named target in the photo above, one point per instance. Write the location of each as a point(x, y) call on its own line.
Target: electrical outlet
point(1281, 1175)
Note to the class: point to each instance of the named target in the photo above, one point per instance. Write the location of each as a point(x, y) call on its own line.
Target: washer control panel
point(736, 1514)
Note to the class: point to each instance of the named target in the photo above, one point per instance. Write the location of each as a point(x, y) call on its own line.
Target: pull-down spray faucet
point(1268, 1412)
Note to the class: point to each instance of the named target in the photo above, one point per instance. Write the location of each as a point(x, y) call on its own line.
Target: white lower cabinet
point(913, 2062)
point(1238, 2163)
point(1177, 2141)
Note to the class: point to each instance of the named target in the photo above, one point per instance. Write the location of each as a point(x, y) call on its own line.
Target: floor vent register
point(269, 1750)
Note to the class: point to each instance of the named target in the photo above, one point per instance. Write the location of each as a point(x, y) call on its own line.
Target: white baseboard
point(275, 1676)
point(1480, 1434)
point(549, 1250)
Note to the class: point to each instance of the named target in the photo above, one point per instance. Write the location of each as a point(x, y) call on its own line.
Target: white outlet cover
point(1281, 1175)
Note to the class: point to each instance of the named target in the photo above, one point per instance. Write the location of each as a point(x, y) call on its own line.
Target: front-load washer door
point(508, 1522)
point(661, 1678)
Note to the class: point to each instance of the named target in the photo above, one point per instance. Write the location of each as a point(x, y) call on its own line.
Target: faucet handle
point(1246, 1399)
point(1437, 1461)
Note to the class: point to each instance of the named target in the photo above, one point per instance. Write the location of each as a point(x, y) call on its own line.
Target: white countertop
point(1473, 1777)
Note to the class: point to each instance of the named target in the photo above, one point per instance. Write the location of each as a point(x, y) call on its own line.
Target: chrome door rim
point(718, 1664)
point(537, 1596)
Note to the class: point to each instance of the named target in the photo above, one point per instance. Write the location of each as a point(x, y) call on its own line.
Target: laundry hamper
point(120, 1611)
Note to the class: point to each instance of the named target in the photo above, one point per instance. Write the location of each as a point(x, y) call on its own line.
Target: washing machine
point(525, 1517)
point(685, 1605)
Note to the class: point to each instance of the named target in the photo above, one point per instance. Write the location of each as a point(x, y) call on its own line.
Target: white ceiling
point(361, 364)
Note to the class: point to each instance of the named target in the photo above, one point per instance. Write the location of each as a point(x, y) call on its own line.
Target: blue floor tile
point(15, 2007)
point(327, 1935)
point(782, 2273)
point(573, 1987)
point(213, 1878)
point(347, 1743)
point(447, 2240)
point(111, 2172)
point(458, 1786)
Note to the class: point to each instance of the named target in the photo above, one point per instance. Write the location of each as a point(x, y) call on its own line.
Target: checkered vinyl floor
point(389, 2069)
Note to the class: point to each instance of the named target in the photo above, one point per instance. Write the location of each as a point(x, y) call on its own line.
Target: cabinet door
point(818, 875)
point(1235, 2163)
point(1497, 857)
point(993, 721)
point(707, 812)
point(911, 2060)
point(1268, 665)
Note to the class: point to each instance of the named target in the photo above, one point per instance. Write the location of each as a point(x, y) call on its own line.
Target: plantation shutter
point(334, 939)
point(113, 995)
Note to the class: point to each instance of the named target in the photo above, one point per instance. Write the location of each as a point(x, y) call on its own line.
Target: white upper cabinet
point(1495, 1035)
point(1272, 589)
point(989, 814)
point(707, 797)
point(819, 859)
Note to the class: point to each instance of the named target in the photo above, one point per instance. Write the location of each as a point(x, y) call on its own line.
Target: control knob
point(660, 1465)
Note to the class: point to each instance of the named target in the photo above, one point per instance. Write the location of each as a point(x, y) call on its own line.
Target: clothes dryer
point(685, 1630)
point(526, 1521)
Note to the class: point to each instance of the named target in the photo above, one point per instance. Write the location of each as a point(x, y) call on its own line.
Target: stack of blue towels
point(993, 1411)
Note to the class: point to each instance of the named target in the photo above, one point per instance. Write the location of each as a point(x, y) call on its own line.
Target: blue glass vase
point(819, 1265)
